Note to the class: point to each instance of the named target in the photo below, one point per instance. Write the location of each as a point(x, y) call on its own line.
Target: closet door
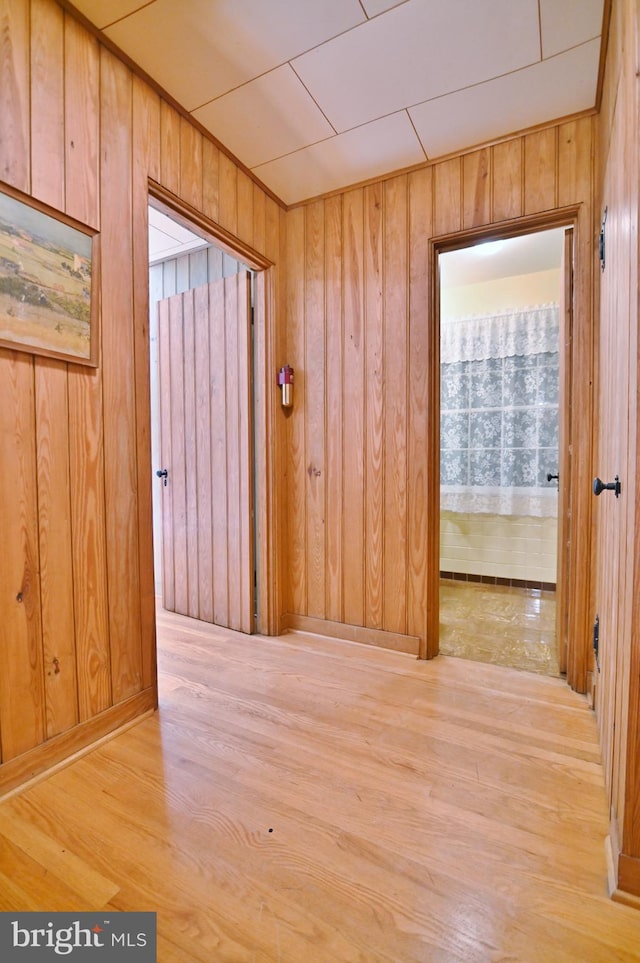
point(206, 451)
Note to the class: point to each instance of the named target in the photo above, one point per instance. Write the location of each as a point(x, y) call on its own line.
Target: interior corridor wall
point(363, 515)
point(83, 134)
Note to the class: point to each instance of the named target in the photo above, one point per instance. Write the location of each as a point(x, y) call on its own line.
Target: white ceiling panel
point(377, 148)
point(564, 84)
point(374, 7)
point(103, 12)
point(415, 52)
point(568, 23)
point(316, 95)
point(277, 117)
point(198, 50)
point(169, 239)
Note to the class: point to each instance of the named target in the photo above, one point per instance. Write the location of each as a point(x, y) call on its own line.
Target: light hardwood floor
point(301, 799)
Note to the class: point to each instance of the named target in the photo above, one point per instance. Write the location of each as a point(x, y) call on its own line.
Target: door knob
point(600, 486)
point(550, 477)
point(162, 473)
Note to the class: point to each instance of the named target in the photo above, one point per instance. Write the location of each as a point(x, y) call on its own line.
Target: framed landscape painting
point(48, 289)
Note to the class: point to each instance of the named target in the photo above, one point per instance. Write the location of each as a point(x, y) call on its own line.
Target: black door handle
point(162, 473)
point(550, 477)
point(600, 486)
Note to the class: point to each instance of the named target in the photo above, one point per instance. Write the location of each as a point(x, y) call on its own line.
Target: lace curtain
point(499, 413)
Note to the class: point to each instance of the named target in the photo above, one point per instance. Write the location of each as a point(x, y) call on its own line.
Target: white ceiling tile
point(266, 118)
point(103, 12)
point(569, 23)
point(167, 238)
point(554, 88)
point(374, 7)
point(198, 50)
point(417, 51)
point(377, 148)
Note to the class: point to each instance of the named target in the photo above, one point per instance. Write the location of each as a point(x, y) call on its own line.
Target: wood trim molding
point(628, 879)
point(20, 772)
point(175, 207)
point(354, 633)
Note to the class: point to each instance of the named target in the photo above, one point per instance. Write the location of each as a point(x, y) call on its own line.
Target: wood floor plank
point(301, 799)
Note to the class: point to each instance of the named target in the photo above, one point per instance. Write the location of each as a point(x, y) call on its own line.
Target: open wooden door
point(206, 451)
point(564, 448)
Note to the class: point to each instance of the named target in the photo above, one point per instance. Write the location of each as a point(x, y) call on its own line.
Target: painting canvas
point(46, 268)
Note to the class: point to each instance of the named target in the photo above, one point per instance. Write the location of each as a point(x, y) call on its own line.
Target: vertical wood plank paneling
point(170, 126)
point(259, 230)
point(82, 122)
point(51, 390)
point(540, 170)
point(22, 723)
point(86, 429)
point(375, 407)
point(47, 103)
point(191, 164)
point(228, 196)
point(334, 409)
point(423, 485)
point(447, 196)
point(353, 408)
point(146, 163)
point(56, 556)
point(296, 417)
point(119, 378)
point(245, 207)
point(507, 179)
point(203, 417)
point(395, 432)
point(182, 273)
point(177, 476)
point(210, 179)
point(166, 453)
point(190, 449)
point(245, 443)
point(264, 455)
point(218, 372)
point(14, 93)
point(232, 438)
point(476, 188)
point(314, 406)
point(90, 595)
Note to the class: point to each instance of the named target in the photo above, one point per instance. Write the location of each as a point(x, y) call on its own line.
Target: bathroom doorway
point(503, 464)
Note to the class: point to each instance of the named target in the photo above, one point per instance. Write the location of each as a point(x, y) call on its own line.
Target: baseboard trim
point(354, 633)
point(498, 580)
point(58, 752)
point(629, 878)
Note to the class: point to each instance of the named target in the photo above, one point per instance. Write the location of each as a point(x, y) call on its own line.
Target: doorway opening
point(503, 463)
point(201, 375)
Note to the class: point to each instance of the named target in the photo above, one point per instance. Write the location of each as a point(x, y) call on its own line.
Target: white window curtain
point(499, 412)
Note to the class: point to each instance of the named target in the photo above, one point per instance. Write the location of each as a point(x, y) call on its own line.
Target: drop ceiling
point(315, 95)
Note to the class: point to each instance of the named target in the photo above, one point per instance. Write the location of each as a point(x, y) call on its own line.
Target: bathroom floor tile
point(499, 624)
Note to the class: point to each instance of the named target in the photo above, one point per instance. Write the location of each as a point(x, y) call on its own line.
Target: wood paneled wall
point(363, 516)
point(81, 132)
point(617, 547)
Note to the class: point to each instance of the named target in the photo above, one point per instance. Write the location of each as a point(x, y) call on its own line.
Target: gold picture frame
point(48, 281)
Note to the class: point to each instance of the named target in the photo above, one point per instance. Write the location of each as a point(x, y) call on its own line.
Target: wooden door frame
point(576, 429)
point(264, 395)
